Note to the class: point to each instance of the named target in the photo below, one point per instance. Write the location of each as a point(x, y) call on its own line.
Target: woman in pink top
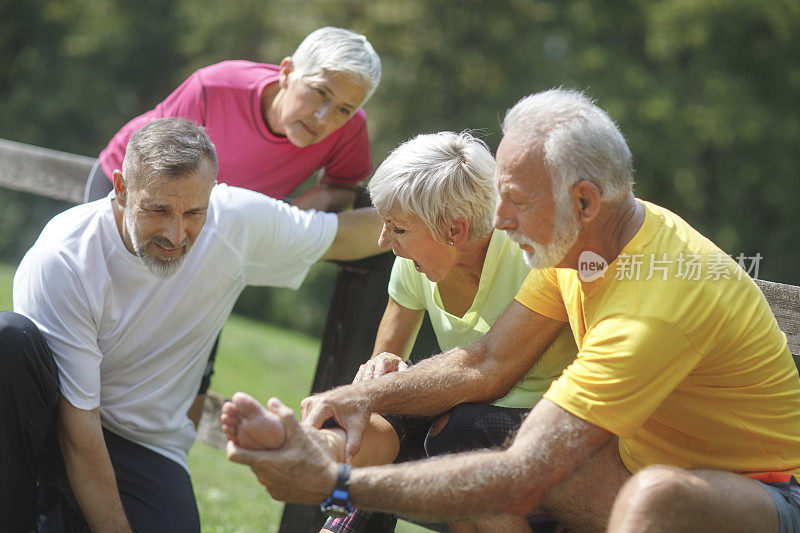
point(275, 125)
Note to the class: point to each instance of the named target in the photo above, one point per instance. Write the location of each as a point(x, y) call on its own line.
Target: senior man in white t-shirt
point(129, 293)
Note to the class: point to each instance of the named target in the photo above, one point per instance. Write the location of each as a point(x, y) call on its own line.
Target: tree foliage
point(707, 93)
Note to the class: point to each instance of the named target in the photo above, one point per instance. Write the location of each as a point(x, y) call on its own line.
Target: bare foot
point(250, 425)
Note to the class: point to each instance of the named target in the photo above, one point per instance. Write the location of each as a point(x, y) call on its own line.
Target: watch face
point(335, 510)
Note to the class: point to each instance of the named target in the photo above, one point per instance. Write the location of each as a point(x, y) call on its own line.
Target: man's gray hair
point(339, 50)
point(166, 149)
point(439, 177)
point(579, 140)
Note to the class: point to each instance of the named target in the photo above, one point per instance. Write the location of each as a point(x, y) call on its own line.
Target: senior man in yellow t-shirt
point(679, 356)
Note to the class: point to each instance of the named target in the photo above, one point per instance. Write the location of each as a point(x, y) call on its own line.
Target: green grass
point(264, 361)
point(6, 275)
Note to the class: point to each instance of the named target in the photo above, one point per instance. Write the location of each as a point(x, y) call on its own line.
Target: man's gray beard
point(161, 268)
point(565, 233)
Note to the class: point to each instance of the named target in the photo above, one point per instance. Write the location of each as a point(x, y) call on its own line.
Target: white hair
point(439, 177)
point(339, 50)
point(579, 140)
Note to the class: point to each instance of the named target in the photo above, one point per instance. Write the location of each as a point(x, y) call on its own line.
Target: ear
point(119, 188)
point(287, 67)
point(587, 196)
point(458, 231)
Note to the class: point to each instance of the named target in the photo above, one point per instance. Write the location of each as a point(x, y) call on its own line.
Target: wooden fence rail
point(42, 171)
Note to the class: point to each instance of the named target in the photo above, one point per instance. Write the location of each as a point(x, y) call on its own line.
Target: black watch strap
point(338, 503)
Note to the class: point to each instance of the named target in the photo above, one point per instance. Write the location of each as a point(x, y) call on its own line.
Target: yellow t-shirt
point(688, 367)
point(503, 272)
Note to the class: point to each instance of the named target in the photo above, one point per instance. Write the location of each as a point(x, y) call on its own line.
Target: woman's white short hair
point(580, 141)
point(439, 177)
point(339, 50)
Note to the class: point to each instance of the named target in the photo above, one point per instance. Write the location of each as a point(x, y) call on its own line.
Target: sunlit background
point(706, 92)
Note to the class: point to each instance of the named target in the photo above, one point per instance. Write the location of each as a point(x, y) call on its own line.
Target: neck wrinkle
point(621, 225)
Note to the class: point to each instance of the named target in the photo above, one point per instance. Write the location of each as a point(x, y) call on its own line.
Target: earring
point(452, 243)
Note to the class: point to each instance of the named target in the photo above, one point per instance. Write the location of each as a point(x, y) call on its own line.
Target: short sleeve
point(404, 286)
point(540, 293)
point(350, 160)
point(283, 241)
point(626, 367)
point(48, 292)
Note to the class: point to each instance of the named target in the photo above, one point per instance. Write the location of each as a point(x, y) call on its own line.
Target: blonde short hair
point(439, 177)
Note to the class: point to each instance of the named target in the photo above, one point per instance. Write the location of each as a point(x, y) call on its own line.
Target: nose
point(503, 217)
point(176, 230)
point(384, 240)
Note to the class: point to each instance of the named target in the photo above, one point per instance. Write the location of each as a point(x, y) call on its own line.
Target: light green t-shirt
point(504, 270)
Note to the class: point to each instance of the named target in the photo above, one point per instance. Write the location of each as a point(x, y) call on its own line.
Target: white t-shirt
point(135, 345)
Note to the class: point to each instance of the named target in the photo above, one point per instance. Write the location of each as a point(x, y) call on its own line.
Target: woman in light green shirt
point(437, 196)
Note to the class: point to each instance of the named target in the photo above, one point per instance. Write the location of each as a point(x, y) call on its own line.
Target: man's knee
point(12, 324)
point(15, 330)
point(23, 348)
point(655, 489)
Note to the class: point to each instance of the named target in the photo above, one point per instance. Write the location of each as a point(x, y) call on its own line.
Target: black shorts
point(471, 426)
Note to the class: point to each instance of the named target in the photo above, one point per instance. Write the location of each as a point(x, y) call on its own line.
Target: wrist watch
point(338, 504)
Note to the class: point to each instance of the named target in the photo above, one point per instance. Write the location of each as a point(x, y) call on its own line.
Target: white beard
point(162, 268)
point(565, 233)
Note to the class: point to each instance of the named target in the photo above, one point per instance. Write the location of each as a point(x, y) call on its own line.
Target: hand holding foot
point(249, 425)
point(350, 411)
point(294, 464)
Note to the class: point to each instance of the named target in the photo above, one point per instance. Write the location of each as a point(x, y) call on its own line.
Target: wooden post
point(359, 298)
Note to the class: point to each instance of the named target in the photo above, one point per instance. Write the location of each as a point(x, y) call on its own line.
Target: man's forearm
point(550, 445)
point(466, 486)
point(89, 469)
point(356, 236)
point(482, 372)
point(435, 385)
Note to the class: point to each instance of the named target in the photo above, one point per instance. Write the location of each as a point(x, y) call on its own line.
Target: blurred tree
point(729, 122)
point(706, 92)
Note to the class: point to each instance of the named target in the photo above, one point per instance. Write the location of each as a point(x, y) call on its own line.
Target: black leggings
point(28, 404)
point(156, 492)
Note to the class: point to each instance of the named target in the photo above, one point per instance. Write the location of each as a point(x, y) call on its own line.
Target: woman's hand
point(381, 364)
point(348, 408)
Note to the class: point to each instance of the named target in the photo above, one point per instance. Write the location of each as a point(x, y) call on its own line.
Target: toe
point(247, 405)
